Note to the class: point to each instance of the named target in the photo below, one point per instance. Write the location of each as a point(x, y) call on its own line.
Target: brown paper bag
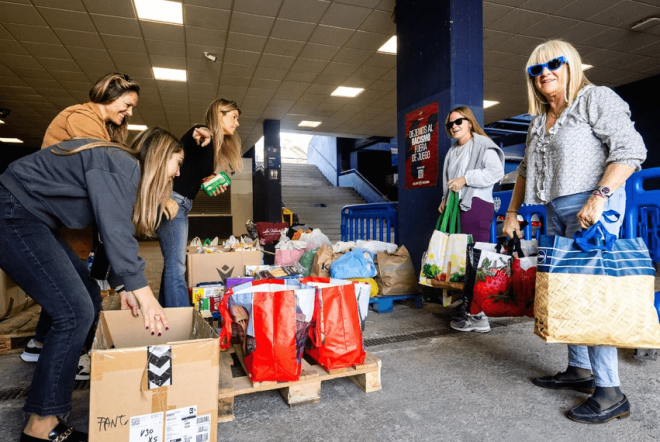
point(396, 274)
point(322, 260)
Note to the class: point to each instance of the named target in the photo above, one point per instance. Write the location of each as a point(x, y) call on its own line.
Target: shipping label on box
point(209, 267)
point(145, 387)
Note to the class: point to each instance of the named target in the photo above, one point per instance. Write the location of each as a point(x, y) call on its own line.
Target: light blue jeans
point(562, 220)
point(173, 238)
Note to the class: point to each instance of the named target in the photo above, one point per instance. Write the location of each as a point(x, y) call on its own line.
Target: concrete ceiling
point(281, 59)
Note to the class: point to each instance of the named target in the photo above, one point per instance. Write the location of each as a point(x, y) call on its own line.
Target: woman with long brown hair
point(73, 184)
point(474, 163)
point(214, 147)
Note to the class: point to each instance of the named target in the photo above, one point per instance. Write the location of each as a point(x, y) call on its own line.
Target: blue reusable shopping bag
point(595, 289)
point(354, 264)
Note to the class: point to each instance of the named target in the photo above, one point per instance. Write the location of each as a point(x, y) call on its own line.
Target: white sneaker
point(31, 352)
point(84, 365)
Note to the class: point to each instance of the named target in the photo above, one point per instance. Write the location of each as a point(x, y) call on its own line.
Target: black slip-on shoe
point(61, 433)
point(591, 413)
point(585, 385)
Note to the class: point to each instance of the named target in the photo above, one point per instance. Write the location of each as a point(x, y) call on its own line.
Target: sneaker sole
point(29, 357)
point(478, 330)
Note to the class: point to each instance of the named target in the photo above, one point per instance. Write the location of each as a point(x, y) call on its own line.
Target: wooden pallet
point(16, 331)
point(304, 391)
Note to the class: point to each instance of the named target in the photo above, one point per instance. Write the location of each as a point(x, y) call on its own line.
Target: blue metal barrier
point(370, 221)
point(642, 218)
point(502, 200)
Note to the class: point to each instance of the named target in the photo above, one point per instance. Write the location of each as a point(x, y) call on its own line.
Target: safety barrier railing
point(535, 226)
point(377, 221)
point(642, 218)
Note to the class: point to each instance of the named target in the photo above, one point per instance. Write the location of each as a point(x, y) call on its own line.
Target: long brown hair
point(227, 148)
point(467, 113)
point(106, 90)
point(152, 148)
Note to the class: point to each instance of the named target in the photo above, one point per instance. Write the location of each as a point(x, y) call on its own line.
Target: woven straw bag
point(596, 295)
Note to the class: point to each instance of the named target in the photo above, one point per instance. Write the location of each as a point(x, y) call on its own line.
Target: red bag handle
point(225, 332)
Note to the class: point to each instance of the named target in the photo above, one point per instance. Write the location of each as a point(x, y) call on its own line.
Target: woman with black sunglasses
point(581, 148)
point(474, 163)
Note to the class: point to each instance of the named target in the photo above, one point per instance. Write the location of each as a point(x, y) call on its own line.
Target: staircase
point(306, 192)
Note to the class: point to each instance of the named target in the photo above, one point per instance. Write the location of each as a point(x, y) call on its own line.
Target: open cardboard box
point(13, 299)
point(210, 267)
point(146, 387)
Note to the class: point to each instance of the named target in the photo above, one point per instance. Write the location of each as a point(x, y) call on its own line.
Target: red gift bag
point(336, 331)
point(270, 232)
point(272, 319)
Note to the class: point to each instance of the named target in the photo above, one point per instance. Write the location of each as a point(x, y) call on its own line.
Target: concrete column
point(273, 166)
point(439, 59)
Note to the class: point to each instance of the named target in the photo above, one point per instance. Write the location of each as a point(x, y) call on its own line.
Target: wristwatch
point(603, 191)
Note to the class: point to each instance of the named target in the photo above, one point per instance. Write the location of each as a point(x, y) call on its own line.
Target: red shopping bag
point(272, 319)
point(336, 331)
point(523, 276)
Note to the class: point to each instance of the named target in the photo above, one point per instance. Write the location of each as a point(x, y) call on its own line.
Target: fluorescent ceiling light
point(343, 91)
point(389, 47)
point(586, 66)
point(490, 103)
point(309, 124)
point(160, 10)
point(10, 140)
point(170, 74)
point(139, 127)
point(2, 122)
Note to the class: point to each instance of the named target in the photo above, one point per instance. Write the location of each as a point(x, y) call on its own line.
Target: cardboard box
point(13, 299)
point(209, 267)
point(145, 387)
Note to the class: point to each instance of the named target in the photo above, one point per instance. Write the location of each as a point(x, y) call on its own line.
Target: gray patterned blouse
point(571, 158)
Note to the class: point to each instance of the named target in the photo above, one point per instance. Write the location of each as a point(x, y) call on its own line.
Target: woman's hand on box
point(153, 314)
point(128, 302)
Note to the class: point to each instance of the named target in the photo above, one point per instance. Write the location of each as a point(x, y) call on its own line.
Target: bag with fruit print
point(443, 264)
point(489, 281)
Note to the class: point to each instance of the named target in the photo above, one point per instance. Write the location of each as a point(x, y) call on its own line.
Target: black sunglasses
point(552, 65)
point(457, 121)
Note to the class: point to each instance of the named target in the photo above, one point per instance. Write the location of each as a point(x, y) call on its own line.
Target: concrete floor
point(455, 387)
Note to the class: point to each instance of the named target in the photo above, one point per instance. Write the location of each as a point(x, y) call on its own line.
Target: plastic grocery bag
point(340, 310)
point(315, 239)
point(354, 264)
point(272, 318)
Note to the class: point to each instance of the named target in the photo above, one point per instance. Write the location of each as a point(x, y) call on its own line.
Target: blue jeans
point(45, 267)
point(562, 220)
point(173, 238)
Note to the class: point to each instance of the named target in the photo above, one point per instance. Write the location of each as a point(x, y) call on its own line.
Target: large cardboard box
point(208, 267)
point(146, 387)
point(13, 299)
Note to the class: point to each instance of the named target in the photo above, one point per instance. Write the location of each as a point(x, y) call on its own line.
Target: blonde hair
point(537, 104)
point(227, 148)
point(467, 113)
point(152, 148)
point(106, 90)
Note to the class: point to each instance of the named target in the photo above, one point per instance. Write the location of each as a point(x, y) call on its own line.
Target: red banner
point(422, 147)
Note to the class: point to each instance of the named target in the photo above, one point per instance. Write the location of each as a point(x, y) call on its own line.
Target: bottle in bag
point(211, 183)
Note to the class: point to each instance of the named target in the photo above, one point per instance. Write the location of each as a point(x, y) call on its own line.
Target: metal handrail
point(347, 172)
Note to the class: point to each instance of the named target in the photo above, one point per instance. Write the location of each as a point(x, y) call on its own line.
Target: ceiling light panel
point(389, 47)
point(170, 74)
point(160, 11)
point(309, 124)
point(343, 91)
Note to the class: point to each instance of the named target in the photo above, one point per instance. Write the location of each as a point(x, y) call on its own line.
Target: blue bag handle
point(597, 237)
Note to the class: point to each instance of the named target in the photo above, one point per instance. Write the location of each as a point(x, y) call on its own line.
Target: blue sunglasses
point(552, 65)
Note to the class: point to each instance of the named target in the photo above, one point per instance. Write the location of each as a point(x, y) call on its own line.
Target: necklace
point(459, 149)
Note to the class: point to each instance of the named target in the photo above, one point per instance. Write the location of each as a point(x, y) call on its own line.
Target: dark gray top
point(96, 185)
